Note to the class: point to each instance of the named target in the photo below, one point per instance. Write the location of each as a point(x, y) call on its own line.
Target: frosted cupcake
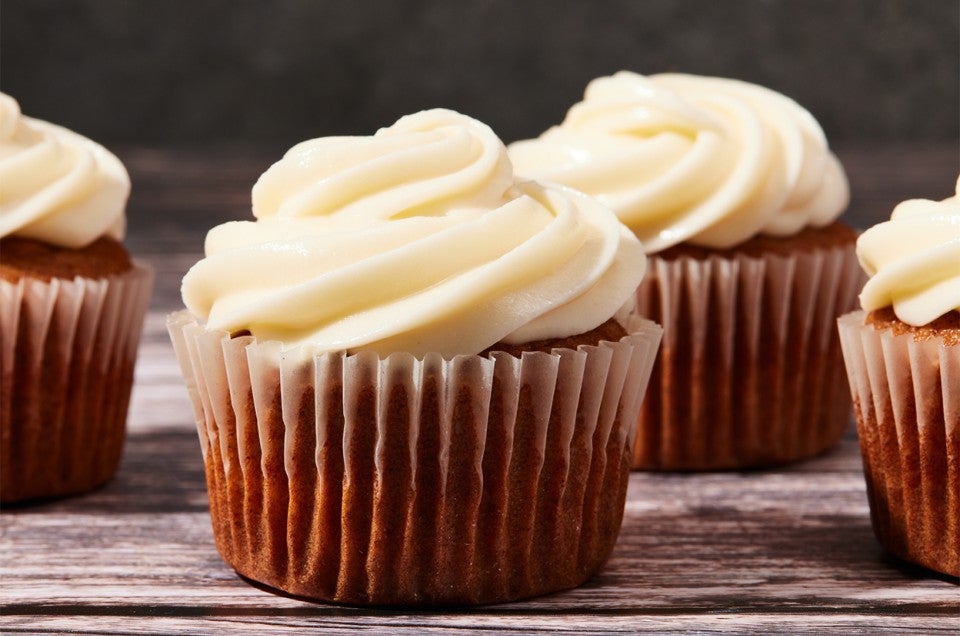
point(734, 194)
point(903, 359)
point(72, 304)
point(413, 377)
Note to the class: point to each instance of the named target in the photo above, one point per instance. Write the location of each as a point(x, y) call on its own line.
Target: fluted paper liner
point(67, 353)
point(405, 481)
point(906, 396)
point(749, 372)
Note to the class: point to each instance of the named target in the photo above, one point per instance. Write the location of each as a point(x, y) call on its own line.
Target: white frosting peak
point(683, 158)
point(415, 239)
point(913, 260)
point(57, 186)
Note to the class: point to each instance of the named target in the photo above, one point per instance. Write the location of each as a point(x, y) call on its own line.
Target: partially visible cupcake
point(413, 377)
point(903, 360)
point(734, 193)
point(72, 304)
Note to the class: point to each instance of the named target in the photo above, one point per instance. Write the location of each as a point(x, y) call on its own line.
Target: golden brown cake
point(945, 327)
point(611, 331)
point(30, 258)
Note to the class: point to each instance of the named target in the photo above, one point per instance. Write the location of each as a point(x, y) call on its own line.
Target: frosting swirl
point(415, 239)
point(913, 260)
point(684, 158)
point(57, 186)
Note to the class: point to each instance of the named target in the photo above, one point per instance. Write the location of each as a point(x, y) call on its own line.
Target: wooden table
point(782, 550)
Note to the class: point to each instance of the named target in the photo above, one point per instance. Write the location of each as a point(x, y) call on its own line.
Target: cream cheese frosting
point(913, 260)
point(57, 186)
point(415, 239)
point(684, 158)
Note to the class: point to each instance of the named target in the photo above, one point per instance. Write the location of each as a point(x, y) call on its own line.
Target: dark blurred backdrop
point(212, 71)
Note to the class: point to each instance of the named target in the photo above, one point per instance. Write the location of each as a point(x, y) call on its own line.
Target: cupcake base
point(906, 395)
point(408, 482)
point(749, 373)
point(67, 353)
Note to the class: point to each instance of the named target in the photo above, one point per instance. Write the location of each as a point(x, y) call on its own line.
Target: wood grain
point(783, 550)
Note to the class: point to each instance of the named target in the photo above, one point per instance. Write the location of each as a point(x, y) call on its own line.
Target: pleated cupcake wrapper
point(67, 353)
point(404, 481)
point(906, 398)
point(749, 372)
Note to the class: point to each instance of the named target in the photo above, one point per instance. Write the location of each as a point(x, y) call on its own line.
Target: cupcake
point(73, 304)
point(734, 195)
point(902, 353)
point(414, 377)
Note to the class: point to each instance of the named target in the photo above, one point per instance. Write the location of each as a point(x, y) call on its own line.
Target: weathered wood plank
point(279, 622)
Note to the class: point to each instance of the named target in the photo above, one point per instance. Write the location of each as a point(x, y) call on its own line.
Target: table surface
point(788, 550)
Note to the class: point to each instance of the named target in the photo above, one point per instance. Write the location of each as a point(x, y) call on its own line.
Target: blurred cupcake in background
point(414, 378)
point(734, 193)
point(72, 309)
point(902, 353)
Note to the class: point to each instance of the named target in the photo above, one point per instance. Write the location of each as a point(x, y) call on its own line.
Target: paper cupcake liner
point(906, 397)
point(405, 481)
point(749, 372)
point(67, 352)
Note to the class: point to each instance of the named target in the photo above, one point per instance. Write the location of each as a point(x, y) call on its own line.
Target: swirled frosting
point(57, 186)
point(913, 260)
point(683, 158)
point(415, 239)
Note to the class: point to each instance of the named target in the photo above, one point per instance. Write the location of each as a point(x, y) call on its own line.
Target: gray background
point(213, 71)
